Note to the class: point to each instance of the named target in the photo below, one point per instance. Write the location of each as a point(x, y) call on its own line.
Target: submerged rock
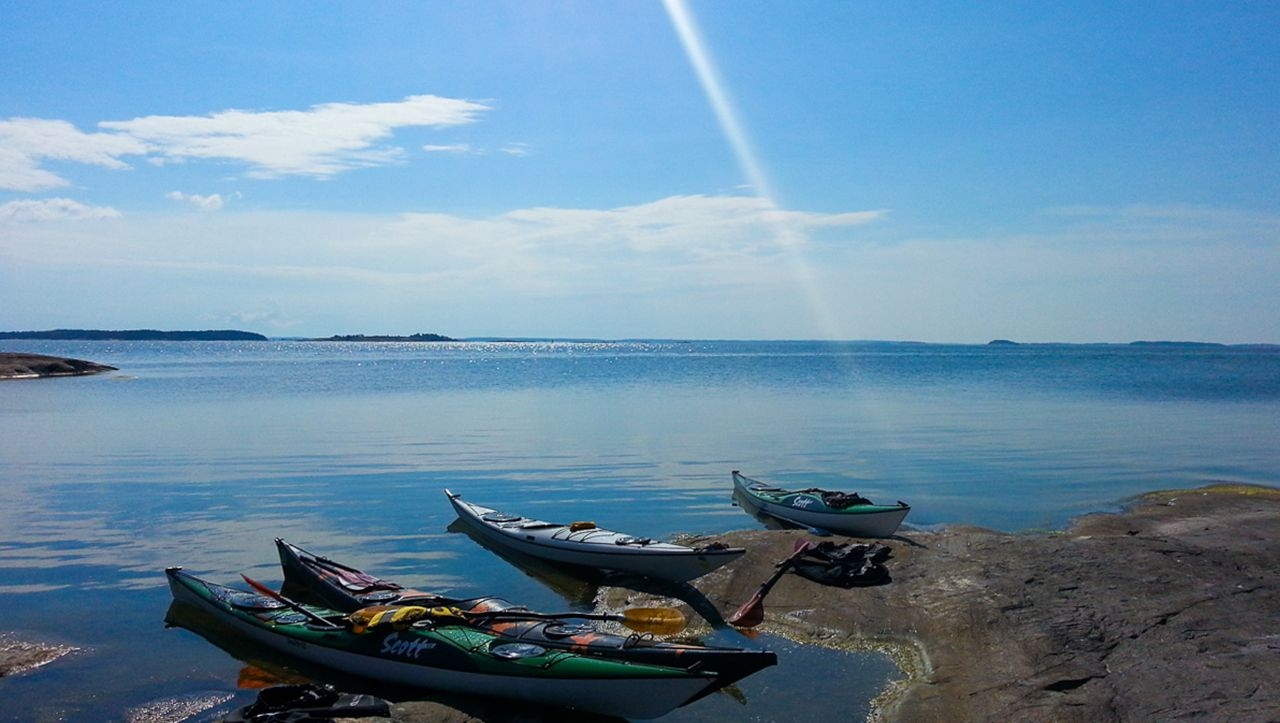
point(20, 656)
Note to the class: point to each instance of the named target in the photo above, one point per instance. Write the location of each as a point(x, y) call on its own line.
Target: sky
point(691, 169)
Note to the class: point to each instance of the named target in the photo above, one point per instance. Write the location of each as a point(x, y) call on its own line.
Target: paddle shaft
point(751, 613)
point(653, 620)
point(637, 614)
point(294, 605)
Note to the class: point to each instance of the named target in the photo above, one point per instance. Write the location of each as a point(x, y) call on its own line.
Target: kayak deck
point(585, 544)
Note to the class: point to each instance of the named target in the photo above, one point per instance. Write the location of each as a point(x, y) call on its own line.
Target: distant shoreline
point(134, 335)
point(362, 337)
point(237, 335)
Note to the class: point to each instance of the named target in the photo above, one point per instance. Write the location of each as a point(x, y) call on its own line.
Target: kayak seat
point(628, 540)
point(249, 600)
point(501, 517)
point(566, 630)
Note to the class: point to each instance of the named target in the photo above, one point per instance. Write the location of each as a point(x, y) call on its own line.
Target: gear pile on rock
point(848, 565)
point(308, 703)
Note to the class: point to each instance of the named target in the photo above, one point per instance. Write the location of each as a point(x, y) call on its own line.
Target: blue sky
point(928, 171)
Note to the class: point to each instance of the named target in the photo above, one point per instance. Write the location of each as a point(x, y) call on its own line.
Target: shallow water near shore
point(198, 454)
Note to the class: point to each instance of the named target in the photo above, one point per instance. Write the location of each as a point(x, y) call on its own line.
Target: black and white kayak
point(840, 512)
point(582, 543)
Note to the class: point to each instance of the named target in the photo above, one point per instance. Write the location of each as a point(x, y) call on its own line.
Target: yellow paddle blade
point(658, 621)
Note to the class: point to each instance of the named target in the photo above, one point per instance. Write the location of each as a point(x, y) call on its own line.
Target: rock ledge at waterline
point(1168, 611)
point(14, 365)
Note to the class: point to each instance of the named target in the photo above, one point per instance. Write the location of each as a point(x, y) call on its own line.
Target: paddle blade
point(658, 621)
point(750, 614)
point(253, 677)
point(262, 588)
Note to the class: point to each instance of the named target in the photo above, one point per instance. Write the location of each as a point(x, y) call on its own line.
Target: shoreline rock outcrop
point(1167, 611)
point(15, 365)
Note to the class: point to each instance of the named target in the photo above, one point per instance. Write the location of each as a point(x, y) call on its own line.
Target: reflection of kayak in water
point(323, 579)
point(582, 543)
point(577, 585)
point(447, 654)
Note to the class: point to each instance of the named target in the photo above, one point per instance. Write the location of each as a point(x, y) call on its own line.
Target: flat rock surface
point(14, 365)
point(1168, 612)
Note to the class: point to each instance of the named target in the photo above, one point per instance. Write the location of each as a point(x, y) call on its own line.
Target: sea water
point(200, 453)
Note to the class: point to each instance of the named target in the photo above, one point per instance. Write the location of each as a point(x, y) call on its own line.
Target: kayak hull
point(448, 658)
point(589, 546)
point(806, 509)
point(316, 576)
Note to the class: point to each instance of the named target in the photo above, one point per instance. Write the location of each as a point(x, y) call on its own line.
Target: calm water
point(200, 453)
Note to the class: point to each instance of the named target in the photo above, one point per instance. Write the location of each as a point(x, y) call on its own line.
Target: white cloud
point(53, 209)
point(26, 142)
point(684, 266)
point(323, 141)
point(212, 202)
point(452, 148)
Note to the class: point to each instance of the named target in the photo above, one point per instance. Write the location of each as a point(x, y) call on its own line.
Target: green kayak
point(348, 589)
point(840, 512)
point(445, 654)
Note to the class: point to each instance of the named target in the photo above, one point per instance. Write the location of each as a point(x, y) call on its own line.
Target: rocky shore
point(15, 365)
point(1169, 611)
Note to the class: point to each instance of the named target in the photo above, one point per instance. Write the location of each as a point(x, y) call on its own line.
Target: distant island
point(1180, 344)
point(362, 337)
point(134, 335)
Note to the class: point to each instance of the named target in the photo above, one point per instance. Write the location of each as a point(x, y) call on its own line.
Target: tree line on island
point(209, 335)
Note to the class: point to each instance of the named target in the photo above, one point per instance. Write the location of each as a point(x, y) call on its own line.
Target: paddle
point(658, 621)
point(296, 606)
point(751, 613)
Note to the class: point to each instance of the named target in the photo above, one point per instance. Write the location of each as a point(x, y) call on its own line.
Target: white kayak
point(582, 543)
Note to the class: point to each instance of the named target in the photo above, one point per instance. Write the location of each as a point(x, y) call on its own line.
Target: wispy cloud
point(25, 143)
point(451, 148)
point(320, 142)
point(211, 202)
point(53, 209)
point(690, 265)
